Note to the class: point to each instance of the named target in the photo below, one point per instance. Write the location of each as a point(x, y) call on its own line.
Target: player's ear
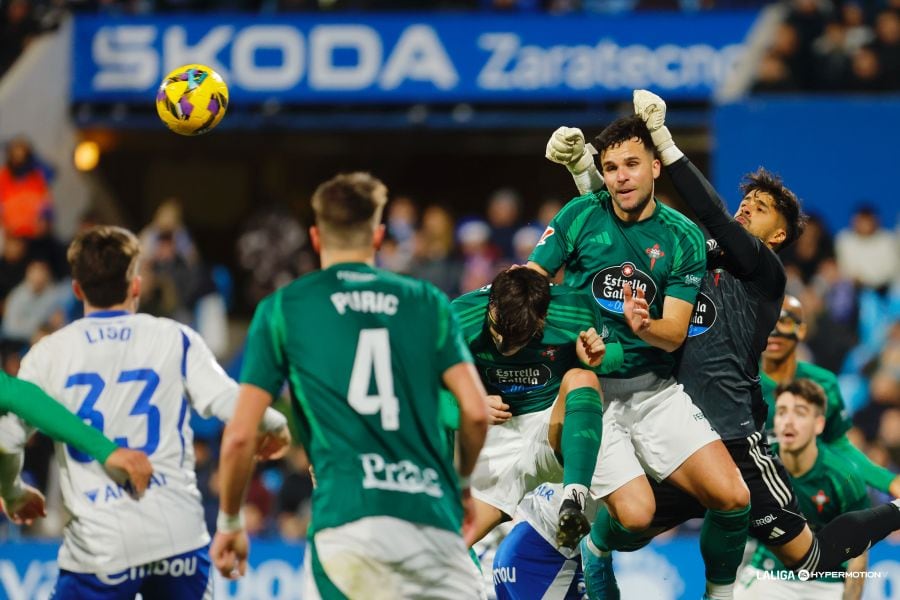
point(801, 331)
point(135, 287)
point(778, 237)
point(656, 166)
point(76, 289)
point(378, 237)
point(820, 424)
point(314, 239)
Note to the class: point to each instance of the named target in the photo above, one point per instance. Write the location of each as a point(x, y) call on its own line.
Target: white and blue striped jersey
point(134, 377)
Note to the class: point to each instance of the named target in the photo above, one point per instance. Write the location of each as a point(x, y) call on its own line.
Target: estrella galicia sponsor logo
point(607, 286)
point(703, 317)
point(510, 380)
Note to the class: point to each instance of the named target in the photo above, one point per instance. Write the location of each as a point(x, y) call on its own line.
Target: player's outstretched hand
point(132, 465)
point(651, 108)
point(274, 445)
point(229, 553)
point(566, 146)
point(636, 309)
point(590, 348)
point(498, 411)
point(25, 507)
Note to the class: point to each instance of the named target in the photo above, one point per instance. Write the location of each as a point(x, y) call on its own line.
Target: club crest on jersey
point(821, 500)
point(703, 317)
point(654, 252)
point(608, 282)
point(547, 233)
point(550, 352)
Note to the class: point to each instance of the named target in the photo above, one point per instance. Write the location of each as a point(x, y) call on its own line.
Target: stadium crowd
point(848, 282)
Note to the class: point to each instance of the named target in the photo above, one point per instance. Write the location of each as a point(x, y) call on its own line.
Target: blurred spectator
point(17, 28)
point(25, 198)
point(858, 33)
point(547, 210)
point(399, 247)
point(13, 261)
point(773, 75)
point(866, 72)
point(524, 241)
point(435, 259)
point(503, 217)
point(813, 247)
point(831, 57)
point(480, 260)
point(32, 303)
point(271, 252)
point(868, 254)
point(294, 497)
point(167, 228)
point(887, 46)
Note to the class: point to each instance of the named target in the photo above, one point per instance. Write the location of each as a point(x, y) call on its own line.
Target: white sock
point(718, 591)
point(896, 503)
point(577, 492)
point(594, 549)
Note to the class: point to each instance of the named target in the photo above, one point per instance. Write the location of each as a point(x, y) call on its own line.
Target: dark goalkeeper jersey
point(738, 306)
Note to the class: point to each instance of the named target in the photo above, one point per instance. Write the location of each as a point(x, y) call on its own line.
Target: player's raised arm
point(566, 147)
point(742, 247)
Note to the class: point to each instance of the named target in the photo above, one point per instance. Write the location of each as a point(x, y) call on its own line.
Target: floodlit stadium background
point(450, 102)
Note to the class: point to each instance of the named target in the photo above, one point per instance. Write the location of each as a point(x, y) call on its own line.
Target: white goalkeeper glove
point(566, 147)
point(652, 109)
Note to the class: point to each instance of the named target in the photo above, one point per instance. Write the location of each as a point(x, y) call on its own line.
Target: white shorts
point(384, 558)
point(650, 425)
point(752, 585)
point(515, 459)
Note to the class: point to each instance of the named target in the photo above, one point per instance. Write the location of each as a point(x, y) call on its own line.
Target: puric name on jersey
point(403, 476)
point(113, 333)
point(365, 301)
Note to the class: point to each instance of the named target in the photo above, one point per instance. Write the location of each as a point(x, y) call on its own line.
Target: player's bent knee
point(635, 516)
point(577, 378)
point(734, 495)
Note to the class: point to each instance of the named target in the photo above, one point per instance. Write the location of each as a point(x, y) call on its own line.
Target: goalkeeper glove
point(566, 146)
point(652, 109)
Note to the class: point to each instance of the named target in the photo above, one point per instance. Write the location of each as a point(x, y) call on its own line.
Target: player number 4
point(373, 356)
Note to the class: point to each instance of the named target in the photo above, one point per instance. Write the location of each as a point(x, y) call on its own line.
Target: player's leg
point(87, 586)
point(620, 480)
point(776, 520)
point(845, 537)
point(486, 518)
point(676, 443)
point(387, 558)
point(576, 428)
point(526, 567)
point(184, 577)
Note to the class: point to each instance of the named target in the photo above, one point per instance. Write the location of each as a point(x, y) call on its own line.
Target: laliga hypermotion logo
point(608, 282)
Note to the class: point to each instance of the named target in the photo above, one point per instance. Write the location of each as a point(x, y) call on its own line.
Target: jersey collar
point(106, 314)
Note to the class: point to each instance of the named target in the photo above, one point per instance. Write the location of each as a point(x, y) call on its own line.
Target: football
point(192, 99)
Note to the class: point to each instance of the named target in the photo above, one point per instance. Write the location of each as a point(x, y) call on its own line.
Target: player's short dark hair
point(807, 389)
point(786, 202)
point(623, 129)
point(104, 260)
point(520, 298)
point(348, 208)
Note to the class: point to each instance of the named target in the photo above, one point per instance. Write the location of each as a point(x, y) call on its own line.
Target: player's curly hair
point(104, 260)
point(348, 208)
point(807, 389)
point(786, 202)
point(624, 129)
point(519, 300)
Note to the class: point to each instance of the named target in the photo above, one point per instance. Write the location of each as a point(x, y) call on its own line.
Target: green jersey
point(830, 488)
point(663, 255)
point(363, 351)
point(837, 422)
point(529, 380)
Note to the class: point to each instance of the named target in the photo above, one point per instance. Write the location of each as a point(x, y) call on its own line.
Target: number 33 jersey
point(134, 377)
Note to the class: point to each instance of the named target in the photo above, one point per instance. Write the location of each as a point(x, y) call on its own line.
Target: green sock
point(582, 429)
point(608, 534)
point(722, 542)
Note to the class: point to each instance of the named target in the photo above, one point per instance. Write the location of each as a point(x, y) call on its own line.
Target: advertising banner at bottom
point(666, 570)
